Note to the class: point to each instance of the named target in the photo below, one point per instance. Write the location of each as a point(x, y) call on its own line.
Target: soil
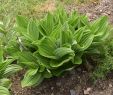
point(76, 82)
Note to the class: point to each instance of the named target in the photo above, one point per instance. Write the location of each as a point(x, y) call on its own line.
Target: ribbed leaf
point(11, 69)
point(22, 21)
point(4, 91)
point(66, 35)
point(26, 57)
point(4, 65)
point(62, 15)
point(33, 31)
point(79, 34)
point(5, 82)
point(62, 51)
point(66, 67)
point(47, 25)
point(84, 20)
point(56, 32)
point(32, 77)
point(86, 40)
point(42, 60)
point(46, 47)
point(60, 62)
point(50, 23)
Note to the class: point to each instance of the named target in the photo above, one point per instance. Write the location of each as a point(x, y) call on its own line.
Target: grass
point(26, 7)
point(14, 7)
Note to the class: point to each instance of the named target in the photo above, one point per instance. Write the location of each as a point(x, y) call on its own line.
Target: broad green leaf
point(49, 23)
point(99, 26)
point(42, 28)
point(62, 15)
point(33, 31)
point(5, 63)
point(22, 21)
point(73, 20)
point(62, 51)
point(79, 34)
point(5, 82)
point(60, 62)
point(11, 69)
point(4, 91)
point(66, 35)
point(84, 20)
point(86, 41)
point(66, 67)
point(28, 59)
point(102, 25)
point(56, 32)
point(77, 60)
point(32, 77)
point(42, 60)
point(46, 47)
point(106, 34)
point(23, 32)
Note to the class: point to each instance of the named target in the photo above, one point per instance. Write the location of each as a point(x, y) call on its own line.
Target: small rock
point(101, 92)
point(87, 91)
point(100, 10)
point(72, 92)
point(89, 14)
point(105, 14)
point(108, 12)
point(110, 85)
point(52, 94)
point(52, 88)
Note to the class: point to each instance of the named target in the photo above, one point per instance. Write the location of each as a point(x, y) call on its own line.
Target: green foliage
point(55, 44)
point(4, 91)
point(105, 61)
point(6, 66)
point(51, 46)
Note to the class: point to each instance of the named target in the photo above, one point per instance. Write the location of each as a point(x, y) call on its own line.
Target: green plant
point(6, 66)
point(6, 70)
point(55, 44)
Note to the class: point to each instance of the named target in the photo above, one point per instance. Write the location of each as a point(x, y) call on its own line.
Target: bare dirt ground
point(77, 82)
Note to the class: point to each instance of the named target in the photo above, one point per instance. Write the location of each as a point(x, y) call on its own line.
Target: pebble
point(110, 85)
point(72, 92)
point(52, 94)
point(52, 88)
point(100, 10)
point(87, 91)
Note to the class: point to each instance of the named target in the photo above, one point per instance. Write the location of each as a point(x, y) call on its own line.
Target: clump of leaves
point(55, 44)
point(6, 66)
point(6, 70)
